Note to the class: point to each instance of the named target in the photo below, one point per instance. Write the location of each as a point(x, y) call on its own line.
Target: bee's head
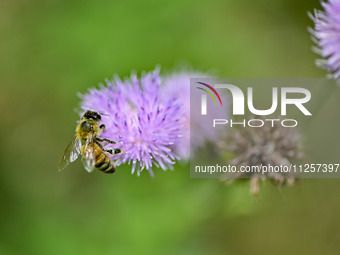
point(91, 115)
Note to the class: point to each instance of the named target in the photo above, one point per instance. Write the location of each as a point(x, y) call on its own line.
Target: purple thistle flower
point(145, 120)
point(327, 36)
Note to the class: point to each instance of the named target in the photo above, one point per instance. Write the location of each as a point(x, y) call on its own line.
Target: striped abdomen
point(102, 161)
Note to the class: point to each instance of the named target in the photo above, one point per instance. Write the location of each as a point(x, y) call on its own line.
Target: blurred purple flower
point(138, 113)
point(327, 36)
point(178, 85)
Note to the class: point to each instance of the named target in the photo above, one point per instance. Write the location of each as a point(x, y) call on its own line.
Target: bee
point(87, 141)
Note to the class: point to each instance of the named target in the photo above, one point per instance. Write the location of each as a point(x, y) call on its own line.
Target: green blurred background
point(50, 50)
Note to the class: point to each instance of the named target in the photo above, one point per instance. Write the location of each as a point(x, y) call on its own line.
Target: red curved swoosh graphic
point(212, 90)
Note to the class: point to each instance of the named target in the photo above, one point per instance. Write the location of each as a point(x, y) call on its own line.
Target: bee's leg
point(99, 144)
point(102, 127)
point(114, 151)
point(118, 151)
point(105, 140)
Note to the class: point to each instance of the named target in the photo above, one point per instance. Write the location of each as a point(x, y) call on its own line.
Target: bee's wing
point(71, 153)
point(88, 154)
